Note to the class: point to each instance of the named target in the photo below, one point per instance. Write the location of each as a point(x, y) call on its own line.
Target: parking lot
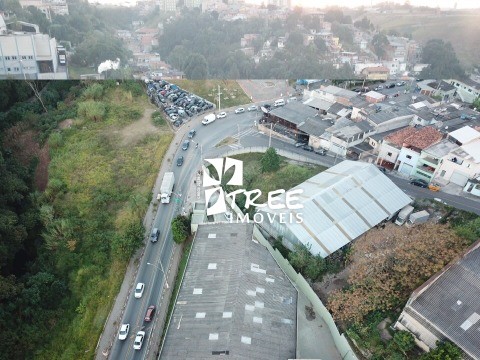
point(178, 105)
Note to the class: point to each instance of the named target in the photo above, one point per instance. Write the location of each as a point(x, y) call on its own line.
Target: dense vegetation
point(443, 61)
point(205, 47)
point(63, 251)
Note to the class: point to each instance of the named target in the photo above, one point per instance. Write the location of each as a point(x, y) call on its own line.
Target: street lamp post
point(270, 137)
point(161, 268)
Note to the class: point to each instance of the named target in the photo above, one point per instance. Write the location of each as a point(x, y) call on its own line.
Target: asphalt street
point(241, 127)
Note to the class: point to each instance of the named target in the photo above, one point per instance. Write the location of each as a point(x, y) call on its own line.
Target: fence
point(284, 153)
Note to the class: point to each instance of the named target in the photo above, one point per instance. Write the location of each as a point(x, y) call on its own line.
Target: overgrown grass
point(231, 93)
point(106, 183)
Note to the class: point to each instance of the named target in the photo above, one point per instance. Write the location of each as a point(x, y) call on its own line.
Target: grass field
point(289, 175)
point(461, 29)
point(231, 93)
point(108, 176)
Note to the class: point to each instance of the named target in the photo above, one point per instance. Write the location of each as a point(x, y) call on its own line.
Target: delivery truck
point(404, 214)
point(419, 217)
point(167, 187)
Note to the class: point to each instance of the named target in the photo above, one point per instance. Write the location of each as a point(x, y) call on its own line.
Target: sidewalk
point(114, 319)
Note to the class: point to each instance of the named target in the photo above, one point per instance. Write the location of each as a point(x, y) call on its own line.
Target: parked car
point(123, 333)
point(440, 201)
point(300, 144)
point(252, 108)
point(419, 182)
point(180, 161)
point(191, 133)
point(379, 87)
point(239, 110)
point(434, 187)
point(390, 86)
point(307, 148)
point(185, 145)
point(221, 115)
point(401, 83)
point(320, 152)
point(137, 345)
point(139, 290)
point(150, 313)
point(154, 235)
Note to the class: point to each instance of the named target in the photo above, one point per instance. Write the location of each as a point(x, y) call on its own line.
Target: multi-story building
point(467, 90)
point(28, 55)
point(48, 7)
point(168, 5)
point(193, 3)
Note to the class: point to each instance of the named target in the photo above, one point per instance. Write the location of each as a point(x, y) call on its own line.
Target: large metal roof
point(234, 300)
point(450, 302)
point(342, 203)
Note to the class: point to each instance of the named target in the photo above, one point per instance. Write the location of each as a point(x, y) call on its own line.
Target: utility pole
point(270, 138)
point(219, 93)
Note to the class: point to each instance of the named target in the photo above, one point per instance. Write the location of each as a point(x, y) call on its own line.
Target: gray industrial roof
point(341, 203)
point(315, 127)
point(234, 298)
point(294, 112)
point(439, 150)
point(346, 129)
point(319, 104)
point(450, 301)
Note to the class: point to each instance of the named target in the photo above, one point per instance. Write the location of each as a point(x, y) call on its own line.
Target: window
point(24, 57)
point(442, 174)
point(409, 156)
point(14, 58)
point(7, 57)
point(16, 69)
point(9, 69)
point(30, 57)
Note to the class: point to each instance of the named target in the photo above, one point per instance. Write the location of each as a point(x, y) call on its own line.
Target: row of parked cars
point(178, 104)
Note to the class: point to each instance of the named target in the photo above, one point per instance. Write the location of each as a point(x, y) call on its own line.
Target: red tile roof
point(377, 69)
point(417, 138)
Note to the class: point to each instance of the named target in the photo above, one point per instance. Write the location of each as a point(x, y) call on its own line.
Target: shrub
point(93, 92)
point(92, 110)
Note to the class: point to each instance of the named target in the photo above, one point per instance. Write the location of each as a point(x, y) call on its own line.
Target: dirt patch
point(66, 124)
point(26, 148)
point(330, 282)
point(136, 131)
point(310, 313)
point(227, 141)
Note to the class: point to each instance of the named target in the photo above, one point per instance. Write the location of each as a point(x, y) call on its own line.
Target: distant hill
point(461, 28)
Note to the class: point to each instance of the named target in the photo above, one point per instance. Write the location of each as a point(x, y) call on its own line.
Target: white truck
point(208, 119)
point(404, 214)
point(419, 217)
point(167, 187)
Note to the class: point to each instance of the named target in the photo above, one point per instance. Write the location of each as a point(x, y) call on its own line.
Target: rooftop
point(449, 301)
point(389, 114)
point(334, 90)
point(441, 149)
point(378, 69)
point(346, 129)
point(317, 103)
point(234, 300)
point(375, 95)
point(336, 108)
point(315, 127)
point(294, 112)
point(470, 151)
point(343, 202)
point(413, 137)
point(465, 134)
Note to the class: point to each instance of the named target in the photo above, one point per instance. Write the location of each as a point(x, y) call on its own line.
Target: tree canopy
point(443, 61)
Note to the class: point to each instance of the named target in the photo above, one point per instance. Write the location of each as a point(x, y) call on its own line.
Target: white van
point(208, 119)
point(279, 102)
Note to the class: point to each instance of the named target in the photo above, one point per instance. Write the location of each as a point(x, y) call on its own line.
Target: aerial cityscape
point(271, 179)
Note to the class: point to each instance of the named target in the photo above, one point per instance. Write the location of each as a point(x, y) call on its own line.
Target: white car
point(239, 110)
point(122, 335)
point(229, 216)
point(221, 115)
point(252, 108)
point(379, 87)
point(137, 345)
point(139, 290)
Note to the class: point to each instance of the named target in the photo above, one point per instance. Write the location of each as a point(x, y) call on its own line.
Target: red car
point(149, 314)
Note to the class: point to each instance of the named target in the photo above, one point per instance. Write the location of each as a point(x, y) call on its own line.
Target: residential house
point(345, 133)
point(374, 97)
point(281, 42)
point(473, 187)
point(401, 150)
point(431, 159)
point(335, 94)
point(443, 90)
point(446, 307)
point(467, 90)
point(358, 67)
point(248, 39)
point(418, 68)
point(462, 163)
point(376, 73)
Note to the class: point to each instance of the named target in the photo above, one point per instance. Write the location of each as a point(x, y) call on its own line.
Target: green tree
point(476, 104)
point(404, 341)
point(270, 160)
point(379, 42)
point(180, 229)
point(443, 61)
point(129, 239)
point(196, 67)
point(444, 351)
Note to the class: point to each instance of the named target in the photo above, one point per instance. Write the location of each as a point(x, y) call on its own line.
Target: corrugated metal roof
point(247, 305)
point(342, 203)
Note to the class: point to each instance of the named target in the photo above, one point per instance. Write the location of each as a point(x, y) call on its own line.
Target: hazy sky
point(461, 4)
